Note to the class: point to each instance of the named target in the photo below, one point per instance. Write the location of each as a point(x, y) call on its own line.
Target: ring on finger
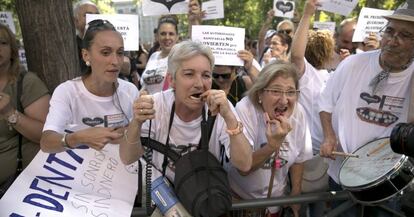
point(141, 110)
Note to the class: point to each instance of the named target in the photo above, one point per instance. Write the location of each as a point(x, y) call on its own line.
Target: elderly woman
point(18, 127)
point(276, 124)
point(190, 65)
point(97, 105)
point(279, 48)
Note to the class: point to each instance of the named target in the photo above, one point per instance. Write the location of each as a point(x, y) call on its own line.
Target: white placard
point(369, 20)
point(214, 9)
point(161, 7)
point(324, 26)
point(78, 182)
point(342, 7)
point(284, 8)
point(126, 24)
point(6, 18)
point(224, 41)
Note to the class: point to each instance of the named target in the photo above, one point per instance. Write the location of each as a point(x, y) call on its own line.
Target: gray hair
point(290, 23)
point(270, 72)
point(79, 4)
point(184, 51)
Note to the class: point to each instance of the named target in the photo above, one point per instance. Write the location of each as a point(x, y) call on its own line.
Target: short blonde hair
point(320, 48)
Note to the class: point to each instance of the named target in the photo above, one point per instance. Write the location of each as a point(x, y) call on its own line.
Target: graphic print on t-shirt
point(379, 110)
point(115, 120)
point(181, 150)
point(154, 76)
point(280, 159)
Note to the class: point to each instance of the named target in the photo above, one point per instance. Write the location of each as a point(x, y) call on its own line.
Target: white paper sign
point(369, 20)
point(78, 182)
point(324, 26)
point(284, 8)
point(126, 24)
point(224, 41)
point(161, 7)
point(214, 9)
point(342, 7)
point(6, 18)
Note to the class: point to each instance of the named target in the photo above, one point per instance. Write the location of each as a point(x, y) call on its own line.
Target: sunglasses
point(223, 76)
point(97, 24)
point(285, 31)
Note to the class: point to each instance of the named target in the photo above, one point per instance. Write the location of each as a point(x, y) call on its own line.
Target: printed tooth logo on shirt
point(382, 111)
point(92, 122)
point(153, 77)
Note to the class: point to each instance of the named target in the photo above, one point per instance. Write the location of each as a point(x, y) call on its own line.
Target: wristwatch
point(12, 119)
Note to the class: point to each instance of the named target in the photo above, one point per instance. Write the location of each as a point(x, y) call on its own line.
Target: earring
point(260, 101)
point(88, 63)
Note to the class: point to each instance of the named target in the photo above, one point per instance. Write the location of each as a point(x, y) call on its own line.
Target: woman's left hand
point(217, 102)
point(247, 57)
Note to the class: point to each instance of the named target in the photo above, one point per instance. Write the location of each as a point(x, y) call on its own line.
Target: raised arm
point(263, 30)
point(300, 39)
point(195, 15)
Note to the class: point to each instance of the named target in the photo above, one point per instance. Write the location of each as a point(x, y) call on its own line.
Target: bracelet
point(64, 142)
point(126, 138)
point(237, 130)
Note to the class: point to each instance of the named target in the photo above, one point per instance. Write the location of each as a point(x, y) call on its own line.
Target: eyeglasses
point(280, 93)
point(389, 33)
point(285, 31)
point(223, 76)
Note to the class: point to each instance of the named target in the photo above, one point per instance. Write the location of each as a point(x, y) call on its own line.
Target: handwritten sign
point(284, 8)
point(342, 7)
point(324, 26)
point(6, 18)
point(369, 20)
point(78, 182)
point(224, 41)
point(161, 7)
point(126, 24)
point(213, 9)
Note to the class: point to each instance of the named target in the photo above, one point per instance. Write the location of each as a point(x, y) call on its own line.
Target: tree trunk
point(49, 39)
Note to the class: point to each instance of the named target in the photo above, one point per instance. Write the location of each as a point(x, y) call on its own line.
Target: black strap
point(19, 168)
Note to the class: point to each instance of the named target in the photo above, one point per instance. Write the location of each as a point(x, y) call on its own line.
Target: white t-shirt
point(152, 79)
point(73, 107)
point(297, 148)
point(184, 136)
point(358, 115)
point(311, 84)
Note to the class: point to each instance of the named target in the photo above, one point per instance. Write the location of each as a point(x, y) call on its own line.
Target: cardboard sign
point(342, 7)
point(161, 7)
point(324, 26)
point(78, 182)
point(369, 20)
point(224, 41)
point(6, 18)
point(126, 24)
point(213, 9)
point(284, 8)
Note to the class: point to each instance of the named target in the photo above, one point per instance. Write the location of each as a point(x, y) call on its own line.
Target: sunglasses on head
point(96, 24)
point(285, 31)
point(223, 76)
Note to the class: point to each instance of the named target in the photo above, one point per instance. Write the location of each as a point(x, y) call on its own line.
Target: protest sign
point(214, 9)
point(369, 20)
point(324, 26)
point(284, 8)
point(6, 18)
point(126, 24)
point(78, 182)
point(224, 41)
point(161, 7)
point(342, 7)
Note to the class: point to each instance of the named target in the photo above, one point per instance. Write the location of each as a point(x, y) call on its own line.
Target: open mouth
point(196, 96)
point(279, 111)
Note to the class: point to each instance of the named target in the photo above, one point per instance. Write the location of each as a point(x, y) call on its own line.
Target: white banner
point(224, 41)
point(324, 26)
point(284, 8)
point(6, 18)
point(78, 182)
point(369, 20)
point(126, 24)
point(161, 7)
point(342, 7)
point(214, 9)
